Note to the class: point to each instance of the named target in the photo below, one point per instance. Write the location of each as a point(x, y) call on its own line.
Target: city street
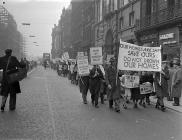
point(51, 108)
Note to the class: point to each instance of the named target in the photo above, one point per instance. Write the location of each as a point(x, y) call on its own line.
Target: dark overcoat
point(177, 83)
point(162, 89)
point(114, 92)
point(95, 82)
point(84, 84)
point(13, 88)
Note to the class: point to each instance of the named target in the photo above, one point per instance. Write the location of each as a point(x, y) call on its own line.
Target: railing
point(161, 17)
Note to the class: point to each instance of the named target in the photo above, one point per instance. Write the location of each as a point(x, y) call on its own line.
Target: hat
point(112, 59)
point(8, 51)
point(176, 61)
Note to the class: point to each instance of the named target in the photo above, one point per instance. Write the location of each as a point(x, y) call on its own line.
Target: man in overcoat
point(13, 88)
point(176, 82)
point(113, 85)
point(161, 85)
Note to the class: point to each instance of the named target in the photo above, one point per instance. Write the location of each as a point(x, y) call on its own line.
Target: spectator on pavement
point(13, 88)
point(161, 85)
point(176, 82)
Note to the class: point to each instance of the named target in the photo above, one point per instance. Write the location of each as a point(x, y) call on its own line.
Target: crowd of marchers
point(106, 83)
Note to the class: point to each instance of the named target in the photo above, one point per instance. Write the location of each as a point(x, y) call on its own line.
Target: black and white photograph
point(90, 69)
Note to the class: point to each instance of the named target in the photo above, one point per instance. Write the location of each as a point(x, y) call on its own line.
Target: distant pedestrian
point(9, 63)
point(176, 82)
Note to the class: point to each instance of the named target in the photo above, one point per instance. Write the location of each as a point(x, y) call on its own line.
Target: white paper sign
point(131, 81)
point(83, 67)
point(146, 88)
point(138, 58)
point(96, 56)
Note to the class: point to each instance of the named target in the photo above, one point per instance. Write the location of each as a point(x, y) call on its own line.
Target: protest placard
point(96, 56)
point(139, 58)
point(83, 67)
point(131, 81)
point(146, 88)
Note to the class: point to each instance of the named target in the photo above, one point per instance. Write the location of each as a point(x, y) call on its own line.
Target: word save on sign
point(139, 58)
point(96, 55)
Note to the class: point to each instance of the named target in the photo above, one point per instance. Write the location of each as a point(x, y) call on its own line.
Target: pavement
point(168, 104)
point(51, 108)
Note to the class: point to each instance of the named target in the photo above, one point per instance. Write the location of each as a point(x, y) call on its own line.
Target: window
point(131, 19)
point(126, 2)
point(121, 23)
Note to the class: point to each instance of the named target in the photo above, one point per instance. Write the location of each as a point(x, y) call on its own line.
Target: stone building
point(161, 24)
point(128, 13)
point(10, 37)
point(106, 26)
point(56, 46)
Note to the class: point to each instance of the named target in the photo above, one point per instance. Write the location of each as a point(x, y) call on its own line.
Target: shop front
point(149, 39)
point(169, 41)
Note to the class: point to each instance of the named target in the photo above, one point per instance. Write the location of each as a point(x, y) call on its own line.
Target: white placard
point(83, 67)
point(138, 58)
point(96, 56)
point(131, 81)
point(146, 88)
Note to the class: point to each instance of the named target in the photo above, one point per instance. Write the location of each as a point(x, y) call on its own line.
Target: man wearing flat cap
point(176, 86)
point(9, 63)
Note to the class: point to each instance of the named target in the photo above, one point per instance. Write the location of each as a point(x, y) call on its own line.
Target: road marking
point(51, 110)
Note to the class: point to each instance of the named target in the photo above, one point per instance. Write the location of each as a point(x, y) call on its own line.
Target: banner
point(139, 58)
point(83, 68)
point(146, 88)
point(96, 56)
point(131, 81)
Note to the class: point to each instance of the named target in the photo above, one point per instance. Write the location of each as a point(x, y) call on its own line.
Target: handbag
point(15, 75)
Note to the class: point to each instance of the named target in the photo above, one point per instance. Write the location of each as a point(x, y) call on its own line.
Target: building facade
point(56, 40)
point(161, 25)
point(106, 26)
point(10, 37)
point(129, 13)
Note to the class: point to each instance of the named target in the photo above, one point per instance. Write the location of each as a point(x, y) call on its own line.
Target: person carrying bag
point(10, 86)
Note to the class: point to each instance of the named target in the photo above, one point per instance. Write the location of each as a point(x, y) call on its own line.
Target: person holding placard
point(161, 85)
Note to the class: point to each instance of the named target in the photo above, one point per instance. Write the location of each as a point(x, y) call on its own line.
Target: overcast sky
point(42, 14)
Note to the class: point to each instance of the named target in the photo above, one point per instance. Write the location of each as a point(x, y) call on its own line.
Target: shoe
point(2, 109)
point(157, 106)
point(135, 106)
point(163, 109)
point(144, 105)
point(96, 106)
point(117, 110)
point(175, 104)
